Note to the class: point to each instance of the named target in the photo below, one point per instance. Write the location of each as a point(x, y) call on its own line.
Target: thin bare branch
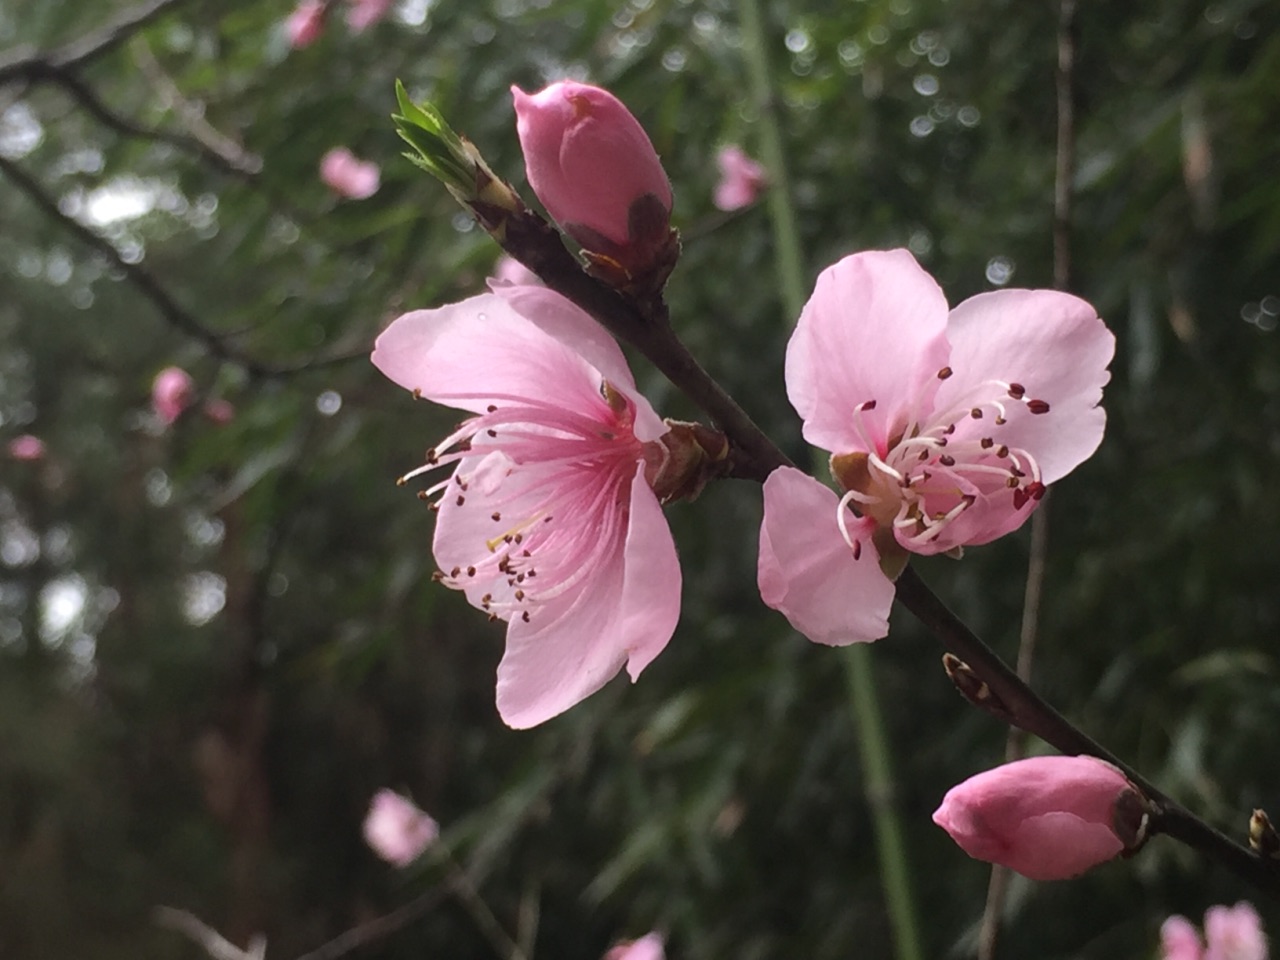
point(378, 927)
point(25, 64)
point(208, 939)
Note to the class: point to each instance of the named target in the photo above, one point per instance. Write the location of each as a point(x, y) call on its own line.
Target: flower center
point(935, 470)
point(538, 499)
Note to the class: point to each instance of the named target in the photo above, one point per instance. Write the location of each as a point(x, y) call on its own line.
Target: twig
point(461, 886)
point(204, 936)
point(21, 65)
point(378, 927)
point(1064, 172)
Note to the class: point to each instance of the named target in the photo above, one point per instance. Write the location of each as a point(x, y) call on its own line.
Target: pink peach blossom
point(594, 168)
point(1234, 933)
point(362, 14)
point(305, 24)
point(171, 392)
point(1180, 940)
point(945, 430)
point(26, 447)
point(648, 947)
point(548, 520)
point(348, 176)
point(1048, 818)
point(741, 179)
point(396, 830)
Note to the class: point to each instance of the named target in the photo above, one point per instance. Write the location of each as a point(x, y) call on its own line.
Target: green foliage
point(216, 642)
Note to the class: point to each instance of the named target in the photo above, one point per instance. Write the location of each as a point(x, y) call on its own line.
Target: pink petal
point(1059, 845)
point(569, 325)
point(648, 947)
point(1234, 933)
point(807, 571)
point(1055, 346)
point(1179, 940)
point(396, 830)
point(874, 329)
point(482, 351)
point(625, 612)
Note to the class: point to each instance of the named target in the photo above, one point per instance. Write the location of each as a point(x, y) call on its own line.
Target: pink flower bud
point(219, 411)
point(1179, 940)
point(396, 830)
point(305, 25)
point(595, 170)
point(171, 393)
point(1048, 818)
point(362, 14)
point(26, 447)
point(1234, 933)
point(648, 947)
point(741, 179)
point(348, 176)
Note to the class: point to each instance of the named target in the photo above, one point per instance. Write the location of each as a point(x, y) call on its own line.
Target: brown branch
point(213, 943)
point(25, 65)
point(378, 927)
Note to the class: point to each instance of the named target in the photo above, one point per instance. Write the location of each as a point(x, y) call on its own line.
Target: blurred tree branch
point(28, 65)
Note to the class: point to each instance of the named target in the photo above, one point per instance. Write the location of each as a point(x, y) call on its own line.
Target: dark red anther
point(1003, 451)
point(1035, 490)
point(1038, 406)
point(857, 549)
point(1017, 391)
point(867, 405)
point(947, 460)
point(491, 408)
point(976, 413)
point(944, 373)
point(987, 443)
point(461, 500)
point(1019, 499)
point(471, 571)
point(525, 616)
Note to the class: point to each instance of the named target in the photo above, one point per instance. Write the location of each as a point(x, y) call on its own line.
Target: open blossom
point(1234, 933)
point(548, 520)
point(396, 830)
point(305, 24)
point(362, 14)
point(595, 170)
point(26, 447)
point(1048, 818)
point(348, 176)
point(648, 947)
point(171, 392)
point(945, 428)
point(741, 179)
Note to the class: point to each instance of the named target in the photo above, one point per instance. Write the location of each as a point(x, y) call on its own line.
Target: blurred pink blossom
point(171, 393)
point(362, 14)
point(648, 947)
point(548, 519)
point(945, 428)
point(348, 176)
point(219, 411)
point(305, 24)
point(595, 170)
point(510, 270)
point(396, 830)
point(26, 447)
point(1180, 940)
point(1048, 818)
point(1234, 933)
point(741, 179)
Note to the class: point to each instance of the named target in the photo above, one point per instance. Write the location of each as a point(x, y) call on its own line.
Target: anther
point(987, 443)
point(423, 495)
point(471, 571)
point(867, 405)
point(519, 594)
point(947, 460)
point(1035, 490)
point(1016, 472)
point(951, 428)
point(491, 408)
point(417, 393)
point(1012, 483)
point(492, 433)
point(454, 572)
point(525, 616)
point(1017, 391)
point(495, 516)
point(857, 549)
point(437, 576)
point(1003, 451)
point(461, 500)
point(944, 373)
point(1038, 406)
point(976, 413)
point(1020, 499)
point(1001, 421)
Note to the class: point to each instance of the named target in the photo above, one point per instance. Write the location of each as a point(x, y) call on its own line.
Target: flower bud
point(171, 392)
point(741, 179)
point(26, 447)
point(1048, 818)
point(648, 947)
point(396, 830)
point(595, 170)
point(305, 24)
point(348, 176)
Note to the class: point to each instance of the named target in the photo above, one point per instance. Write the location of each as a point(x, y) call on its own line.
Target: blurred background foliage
point(216, 642)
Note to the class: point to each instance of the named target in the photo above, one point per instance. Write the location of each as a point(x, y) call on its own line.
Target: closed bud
point(1048, 818)
point(595, 170)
